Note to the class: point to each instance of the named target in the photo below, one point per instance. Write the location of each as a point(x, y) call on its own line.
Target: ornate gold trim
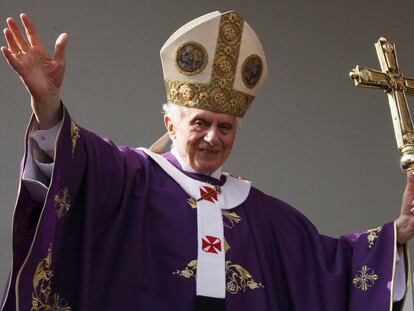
point(218, 94)
point(210, 97)
point(42, 297)
point(23, 266)
point(239, 280)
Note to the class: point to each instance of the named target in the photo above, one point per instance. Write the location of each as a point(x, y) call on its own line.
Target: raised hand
point(405, 223)
point(41, 74)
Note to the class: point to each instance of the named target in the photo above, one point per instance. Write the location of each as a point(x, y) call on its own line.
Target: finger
point(18, 37)
point(12, 61)
point(13, 47)
point(60, 47)
point(30, 30)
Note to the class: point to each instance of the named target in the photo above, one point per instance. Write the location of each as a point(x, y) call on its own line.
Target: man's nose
point(211, 136)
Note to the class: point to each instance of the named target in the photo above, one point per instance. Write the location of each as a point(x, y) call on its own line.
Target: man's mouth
point(209, 151)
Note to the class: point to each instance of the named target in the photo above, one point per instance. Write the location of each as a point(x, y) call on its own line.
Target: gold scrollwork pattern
point(238, 279)
point(208, 97)
point(62, 201)
point(365, 278)
point(372, 236)
point(74, 133)
point(218, 94)
point(43, 299)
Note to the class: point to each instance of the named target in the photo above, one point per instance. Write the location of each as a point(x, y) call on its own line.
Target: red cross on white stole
point(209, 194)
point(211, 244)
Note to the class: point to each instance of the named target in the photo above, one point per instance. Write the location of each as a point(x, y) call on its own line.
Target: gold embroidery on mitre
point(74, 132)
point(42, 297)
point(217, 95)
point(191, 58)
point(238, 279)
point(365, 278)
point(372, 236)
point(208, 97)
point(62, 201)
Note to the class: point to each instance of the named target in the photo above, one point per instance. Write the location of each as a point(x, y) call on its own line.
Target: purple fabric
point(130, 232)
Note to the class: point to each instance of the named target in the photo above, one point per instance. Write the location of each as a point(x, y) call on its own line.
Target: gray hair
point(176, 112)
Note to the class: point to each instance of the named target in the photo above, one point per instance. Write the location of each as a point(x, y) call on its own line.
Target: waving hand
point(41, 74)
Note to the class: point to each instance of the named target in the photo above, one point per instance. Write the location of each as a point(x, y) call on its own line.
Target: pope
point(101, 227)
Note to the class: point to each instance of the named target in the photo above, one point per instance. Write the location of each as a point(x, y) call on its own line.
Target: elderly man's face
point(202, 138)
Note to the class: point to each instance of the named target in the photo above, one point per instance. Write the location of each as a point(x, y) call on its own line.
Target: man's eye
point(198, 122)
point(225, 127)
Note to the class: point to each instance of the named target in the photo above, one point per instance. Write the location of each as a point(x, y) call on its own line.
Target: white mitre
point(215, 62)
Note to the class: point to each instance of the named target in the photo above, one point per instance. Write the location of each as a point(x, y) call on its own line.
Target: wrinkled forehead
point(195, 113)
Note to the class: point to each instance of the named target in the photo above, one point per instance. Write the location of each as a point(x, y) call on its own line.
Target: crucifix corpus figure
point(396, 86)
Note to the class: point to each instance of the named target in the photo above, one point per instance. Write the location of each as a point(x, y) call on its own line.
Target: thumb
point(60, 47)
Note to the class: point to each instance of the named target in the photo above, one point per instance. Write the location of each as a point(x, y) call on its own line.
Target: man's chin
point(205, 168)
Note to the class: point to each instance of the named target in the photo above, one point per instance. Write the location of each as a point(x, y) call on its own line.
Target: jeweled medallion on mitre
point(252, 69)
point(191, 58)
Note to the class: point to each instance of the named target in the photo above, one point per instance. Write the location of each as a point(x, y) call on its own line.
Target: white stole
point(210, 200)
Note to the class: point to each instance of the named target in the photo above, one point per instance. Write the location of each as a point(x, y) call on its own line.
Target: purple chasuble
point(117, 233)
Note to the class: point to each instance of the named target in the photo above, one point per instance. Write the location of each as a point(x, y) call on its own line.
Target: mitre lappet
point(214, 62)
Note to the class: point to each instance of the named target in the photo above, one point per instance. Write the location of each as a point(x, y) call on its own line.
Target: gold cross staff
point(396, 86)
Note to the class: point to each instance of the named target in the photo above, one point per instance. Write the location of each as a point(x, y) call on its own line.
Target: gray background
point(311, 138)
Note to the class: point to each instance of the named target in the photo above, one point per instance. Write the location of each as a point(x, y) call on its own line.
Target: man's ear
point(170, 126)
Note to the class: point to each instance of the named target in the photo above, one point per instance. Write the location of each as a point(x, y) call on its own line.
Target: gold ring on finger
point(17, 54)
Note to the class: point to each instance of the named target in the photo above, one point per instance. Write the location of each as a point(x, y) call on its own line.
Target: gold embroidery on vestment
point(74, 132)
point(189, 271)
point(372, 236)
point(226, 246)
point(238, 279)
point(230, 219)
point(42, 298)
point(365, 278)
point(62, 201)
point(192, 202)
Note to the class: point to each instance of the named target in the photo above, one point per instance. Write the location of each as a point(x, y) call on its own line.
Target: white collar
point(188, 168)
